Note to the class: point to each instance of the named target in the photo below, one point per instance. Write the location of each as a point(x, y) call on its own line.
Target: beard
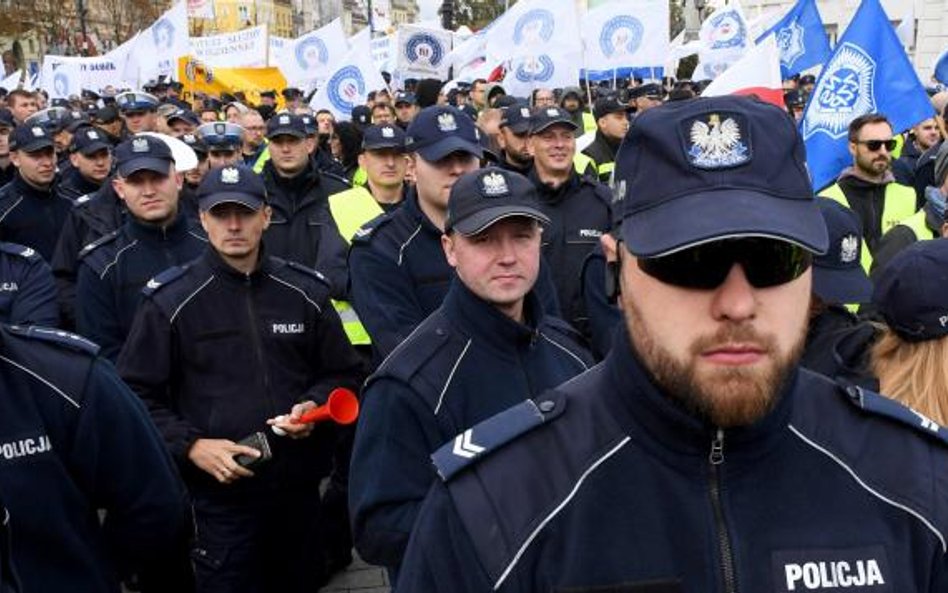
point(726, 396)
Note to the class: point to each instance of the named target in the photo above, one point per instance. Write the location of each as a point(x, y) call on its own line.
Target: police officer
point(612, 124)
point(301, 228)
point(139, 111)
point(74, 440)
point(27, 290)
point(155, 236)
point(181, 122)
point(223, 140)
point(31, 213)
point(218, 348)
point(512, 138)
point(193, 176)
point(488, 346)
point(91, 157)
point(7, 170)
point(578, 207)
point(698, 457)
point(646, 96)
point(406, 108)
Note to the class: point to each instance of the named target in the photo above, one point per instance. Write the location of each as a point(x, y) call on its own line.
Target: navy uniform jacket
point(32, 217)
point(73, 185)
point(214, 353)
point(301, 228)
point(73, 440)
point(399, 274)
point(604, 315)
point(579, 212)
point(617, 487)
point(114, 269)
point(27, 291)
point(464, 363)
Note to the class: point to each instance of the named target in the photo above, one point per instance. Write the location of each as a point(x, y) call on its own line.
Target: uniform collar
point(485, 322)
point(25, 188)
point(152, 232)
point(413, 210)
point(225, 272)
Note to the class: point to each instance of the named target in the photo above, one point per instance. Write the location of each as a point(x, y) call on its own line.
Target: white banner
point(423, 52)
point(61, 78)
point(382, 54)
point(243, 49)
point(533, 28)
point(308, 60)
point(277, 45)
point(11, 82)
point(724, 39)
point(94, 73)
point(159, 46)
point(546, 71)
point(201, 9)
point(626, 34)
point(349, 83)
point(381, 15)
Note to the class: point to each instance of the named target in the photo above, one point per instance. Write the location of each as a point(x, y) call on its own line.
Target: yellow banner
point(198, 78)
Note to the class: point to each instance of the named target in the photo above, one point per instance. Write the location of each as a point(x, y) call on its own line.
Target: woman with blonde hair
point(910, 358)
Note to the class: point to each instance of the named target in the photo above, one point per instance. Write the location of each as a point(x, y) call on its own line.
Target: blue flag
point(868, 72)
point(801, 39)
point(941, 68)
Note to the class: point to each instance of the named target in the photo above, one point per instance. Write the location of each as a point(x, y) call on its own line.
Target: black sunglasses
point(875, 145)
point(766, 263)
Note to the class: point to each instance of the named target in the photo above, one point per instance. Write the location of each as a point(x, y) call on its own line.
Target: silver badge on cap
point(524, 112)
point(139, 145)
point(553, 112)
point(230, 175)
point(284, 120)
point(92, 135)
point(717, 144)
point(494, 184)
point(28, 252)
point(38, 131)
point(446, 122)
point(848, 249)
point(388, 133)
point(220, 129)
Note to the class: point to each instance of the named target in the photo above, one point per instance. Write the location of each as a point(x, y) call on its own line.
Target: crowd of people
point(597, 344)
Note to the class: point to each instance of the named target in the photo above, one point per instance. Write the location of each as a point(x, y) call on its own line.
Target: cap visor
point(707, 216)
point(556, 122)
point(37, 146)
point(446, 146)
point(842, 285)
point(247, 200)
point(383, 145)
point(160, 166)
point(94, 148)
point(520, 128)
point(286, 132)
point(479, 221)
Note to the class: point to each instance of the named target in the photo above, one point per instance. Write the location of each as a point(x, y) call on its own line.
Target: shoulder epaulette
point(103, 240)
point(880, 405)
point(428, 339)
point(163, 279)
point(366, 231)
point(562, 327)
point(490, 435)
point(311, 272)
point(56, 336)
point(27, 253)
point(335, 177)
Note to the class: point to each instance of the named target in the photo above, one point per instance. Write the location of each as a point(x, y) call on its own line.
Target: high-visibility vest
point(916, 223)
point(350, 209)
point(582, 162)
point(360, 177)
point(261, 160)
point(589, 122)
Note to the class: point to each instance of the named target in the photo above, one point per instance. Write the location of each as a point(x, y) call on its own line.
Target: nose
point(735, 299)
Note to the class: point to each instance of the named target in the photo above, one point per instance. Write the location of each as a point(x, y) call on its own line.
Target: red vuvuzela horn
point(342, 407)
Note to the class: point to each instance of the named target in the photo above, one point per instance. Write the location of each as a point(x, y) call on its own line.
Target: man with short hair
point(478, 99)
point(139, 111)
point(543, 97)
point(513, 139)
point(612, 124)
point(868, 186)
point(383, 113)
point(646, 96)
point(91, 157)
point(31, 213)
point(220, 349)
point(699, 456)
point(21, 104)
point(254, 148)
point(156, 235)
point(920, 138)
point(7, 170)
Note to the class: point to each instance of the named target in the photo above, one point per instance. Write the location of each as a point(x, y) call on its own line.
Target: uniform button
point(547, 406)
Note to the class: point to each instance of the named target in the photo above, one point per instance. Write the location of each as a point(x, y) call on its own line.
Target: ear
point(944, 230)
point(267, 214)
point(179, 180)
point(447, 244)
point(203, 216)
point(119, 187)
point(361, 160)
point(852, 149)
point(74, 159)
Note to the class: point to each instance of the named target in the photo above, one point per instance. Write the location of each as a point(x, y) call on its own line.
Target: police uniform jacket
point(31, 216)
point(603, 313)
point(602, 151)
point(399, 274)
point(93, 216)
point(464, 363)
point(7, 174)
point(579, 213)
point(114, 269)
point(27, 291)
point(73, 185)
point(73, 440)
point(301, 227)
point(214, 353)
point(836, 489)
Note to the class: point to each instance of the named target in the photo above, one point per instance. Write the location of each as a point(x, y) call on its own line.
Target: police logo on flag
point(230, 175)
point(311, 53)
point(790, 44)
point(446, 122)
point(494, 185)
point(140, 145)
point(534, 27)
point(535, 69)
point(728, 30)
point(621, 35)
point(346, 88)
point(716, 143)
point(845, 91)
point(424, 48)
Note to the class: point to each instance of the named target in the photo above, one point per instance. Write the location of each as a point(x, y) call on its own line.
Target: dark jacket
point(900, 237)
point(27, 291)
point(604, 314)
point(464, 363)
point(612, 487)
point(824, 332)
point(114, 269)
point(301, 228)
point(214, 353)
point(32, 217)
point(925, 173)
point(603, 151)
point(579, 212)
point(867, 199)
point(73, 185)
point(75, 441)
point(904, 167)
point(7, 174)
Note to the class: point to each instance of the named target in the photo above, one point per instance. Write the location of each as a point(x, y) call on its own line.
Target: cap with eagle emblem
point(714, 168)
point(236, 184)
point(441, 130)
point(481, 198)
point(838, 275)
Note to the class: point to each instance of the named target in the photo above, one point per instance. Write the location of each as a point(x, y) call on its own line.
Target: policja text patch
point(845, 569)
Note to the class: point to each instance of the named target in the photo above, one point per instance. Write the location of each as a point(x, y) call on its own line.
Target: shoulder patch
point(103, 240)
point(366, 231)
point(492, 434)
point(56, 336)
point(163, 279)
point(311, 272)
point(880, 405)
point(27, 253)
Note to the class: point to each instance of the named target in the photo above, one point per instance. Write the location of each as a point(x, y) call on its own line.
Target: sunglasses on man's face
point(875, 145)
point(765, 262)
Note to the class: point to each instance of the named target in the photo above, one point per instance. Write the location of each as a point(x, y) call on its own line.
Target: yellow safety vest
point(582, 162)
point(589, 122)
point(262, 160)
point(360, 177)
point(916, 223)
point(350, 210)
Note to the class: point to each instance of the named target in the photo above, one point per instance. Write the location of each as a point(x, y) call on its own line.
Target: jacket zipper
point(716, 458)
point(258, 347)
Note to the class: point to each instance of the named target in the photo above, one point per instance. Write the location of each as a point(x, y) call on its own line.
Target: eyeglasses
point(875, 145)
point(766, 263)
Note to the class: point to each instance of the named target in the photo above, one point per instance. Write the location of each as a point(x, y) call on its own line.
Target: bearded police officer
point(698, 456)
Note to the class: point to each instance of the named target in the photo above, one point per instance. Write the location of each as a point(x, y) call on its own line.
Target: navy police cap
point(383, 136)
point(910, 291)
point(440, 130)
point(838, 275)
point(714, 168)
point(143, 153)
point(235, 184)
point(480, 198)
